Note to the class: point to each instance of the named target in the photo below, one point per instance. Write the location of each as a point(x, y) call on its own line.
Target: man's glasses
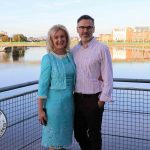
point(84, 27)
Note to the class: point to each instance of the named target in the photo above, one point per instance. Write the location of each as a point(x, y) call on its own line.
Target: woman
point(55, 92)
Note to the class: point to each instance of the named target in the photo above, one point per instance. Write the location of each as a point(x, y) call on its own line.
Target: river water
point(24, 67)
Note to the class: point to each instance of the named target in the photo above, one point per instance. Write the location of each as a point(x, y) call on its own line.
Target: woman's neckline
point(59, 55)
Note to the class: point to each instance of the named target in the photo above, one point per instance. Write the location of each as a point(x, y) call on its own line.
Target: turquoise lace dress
point(60, 111)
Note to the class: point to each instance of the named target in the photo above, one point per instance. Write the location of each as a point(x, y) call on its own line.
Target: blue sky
point(35, 17)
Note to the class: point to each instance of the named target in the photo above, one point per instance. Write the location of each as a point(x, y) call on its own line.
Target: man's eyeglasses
point(84, 27)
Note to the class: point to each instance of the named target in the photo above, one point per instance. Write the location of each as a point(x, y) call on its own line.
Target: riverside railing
point(126, 121)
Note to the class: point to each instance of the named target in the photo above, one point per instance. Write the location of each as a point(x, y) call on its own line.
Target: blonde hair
point(52, 31)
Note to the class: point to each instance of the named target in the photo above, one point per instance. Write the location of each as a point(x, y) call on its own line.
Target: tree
point(19, 38)
point(5, 38)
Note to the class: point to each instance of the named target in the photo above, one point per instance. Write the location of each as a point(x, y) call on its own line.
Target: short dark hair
point(85, 17)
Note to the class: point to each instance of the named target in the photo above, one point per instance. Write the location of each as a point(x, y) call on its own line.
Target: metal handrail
point(8, 88)
point(136, 98)
point(12, 87)
point(131, 80)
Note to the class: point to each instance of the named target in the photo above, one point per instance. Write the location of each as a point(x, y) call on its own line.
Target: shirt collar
point(90, 42)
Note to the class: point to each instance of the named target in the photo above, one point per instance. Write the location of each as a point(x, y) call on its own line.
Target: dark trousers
point(87, 122)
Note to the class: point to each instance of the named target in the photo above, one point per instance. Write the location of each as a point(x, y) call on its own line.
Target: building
point(105, 37)
point(141, 34)
point(141, 29)
point(122, 34)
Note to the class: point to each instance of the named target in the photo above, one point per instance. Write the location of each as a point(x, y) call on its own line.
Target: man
point(94, 84)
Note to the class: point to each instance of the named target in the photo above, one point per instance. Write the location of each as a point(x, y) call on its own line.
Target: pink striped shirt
point(93, 69)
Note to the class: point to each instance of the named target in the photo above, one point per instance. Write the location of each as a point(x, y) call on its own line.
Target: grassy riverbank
point(143, 44)
point(43, 43)
point(7, 44)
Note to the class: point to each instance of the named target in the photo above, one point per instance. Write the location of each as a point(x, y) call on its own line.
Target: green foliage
point(4, 38)
point(19, 38)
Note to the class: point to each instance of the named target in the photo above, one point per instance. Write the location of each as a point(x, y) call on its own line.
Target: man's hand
point(101, 104)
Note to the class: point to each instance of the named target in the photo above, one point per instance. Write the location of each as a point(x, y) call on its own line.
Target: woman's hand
point(42, 117)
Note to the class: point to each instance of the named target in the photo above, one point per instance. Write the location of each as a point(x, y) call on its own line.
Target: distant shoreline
point(43, 44)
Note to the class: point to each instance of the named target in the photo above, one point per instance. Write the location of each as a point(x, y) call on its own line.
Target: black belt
point(86, 95)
